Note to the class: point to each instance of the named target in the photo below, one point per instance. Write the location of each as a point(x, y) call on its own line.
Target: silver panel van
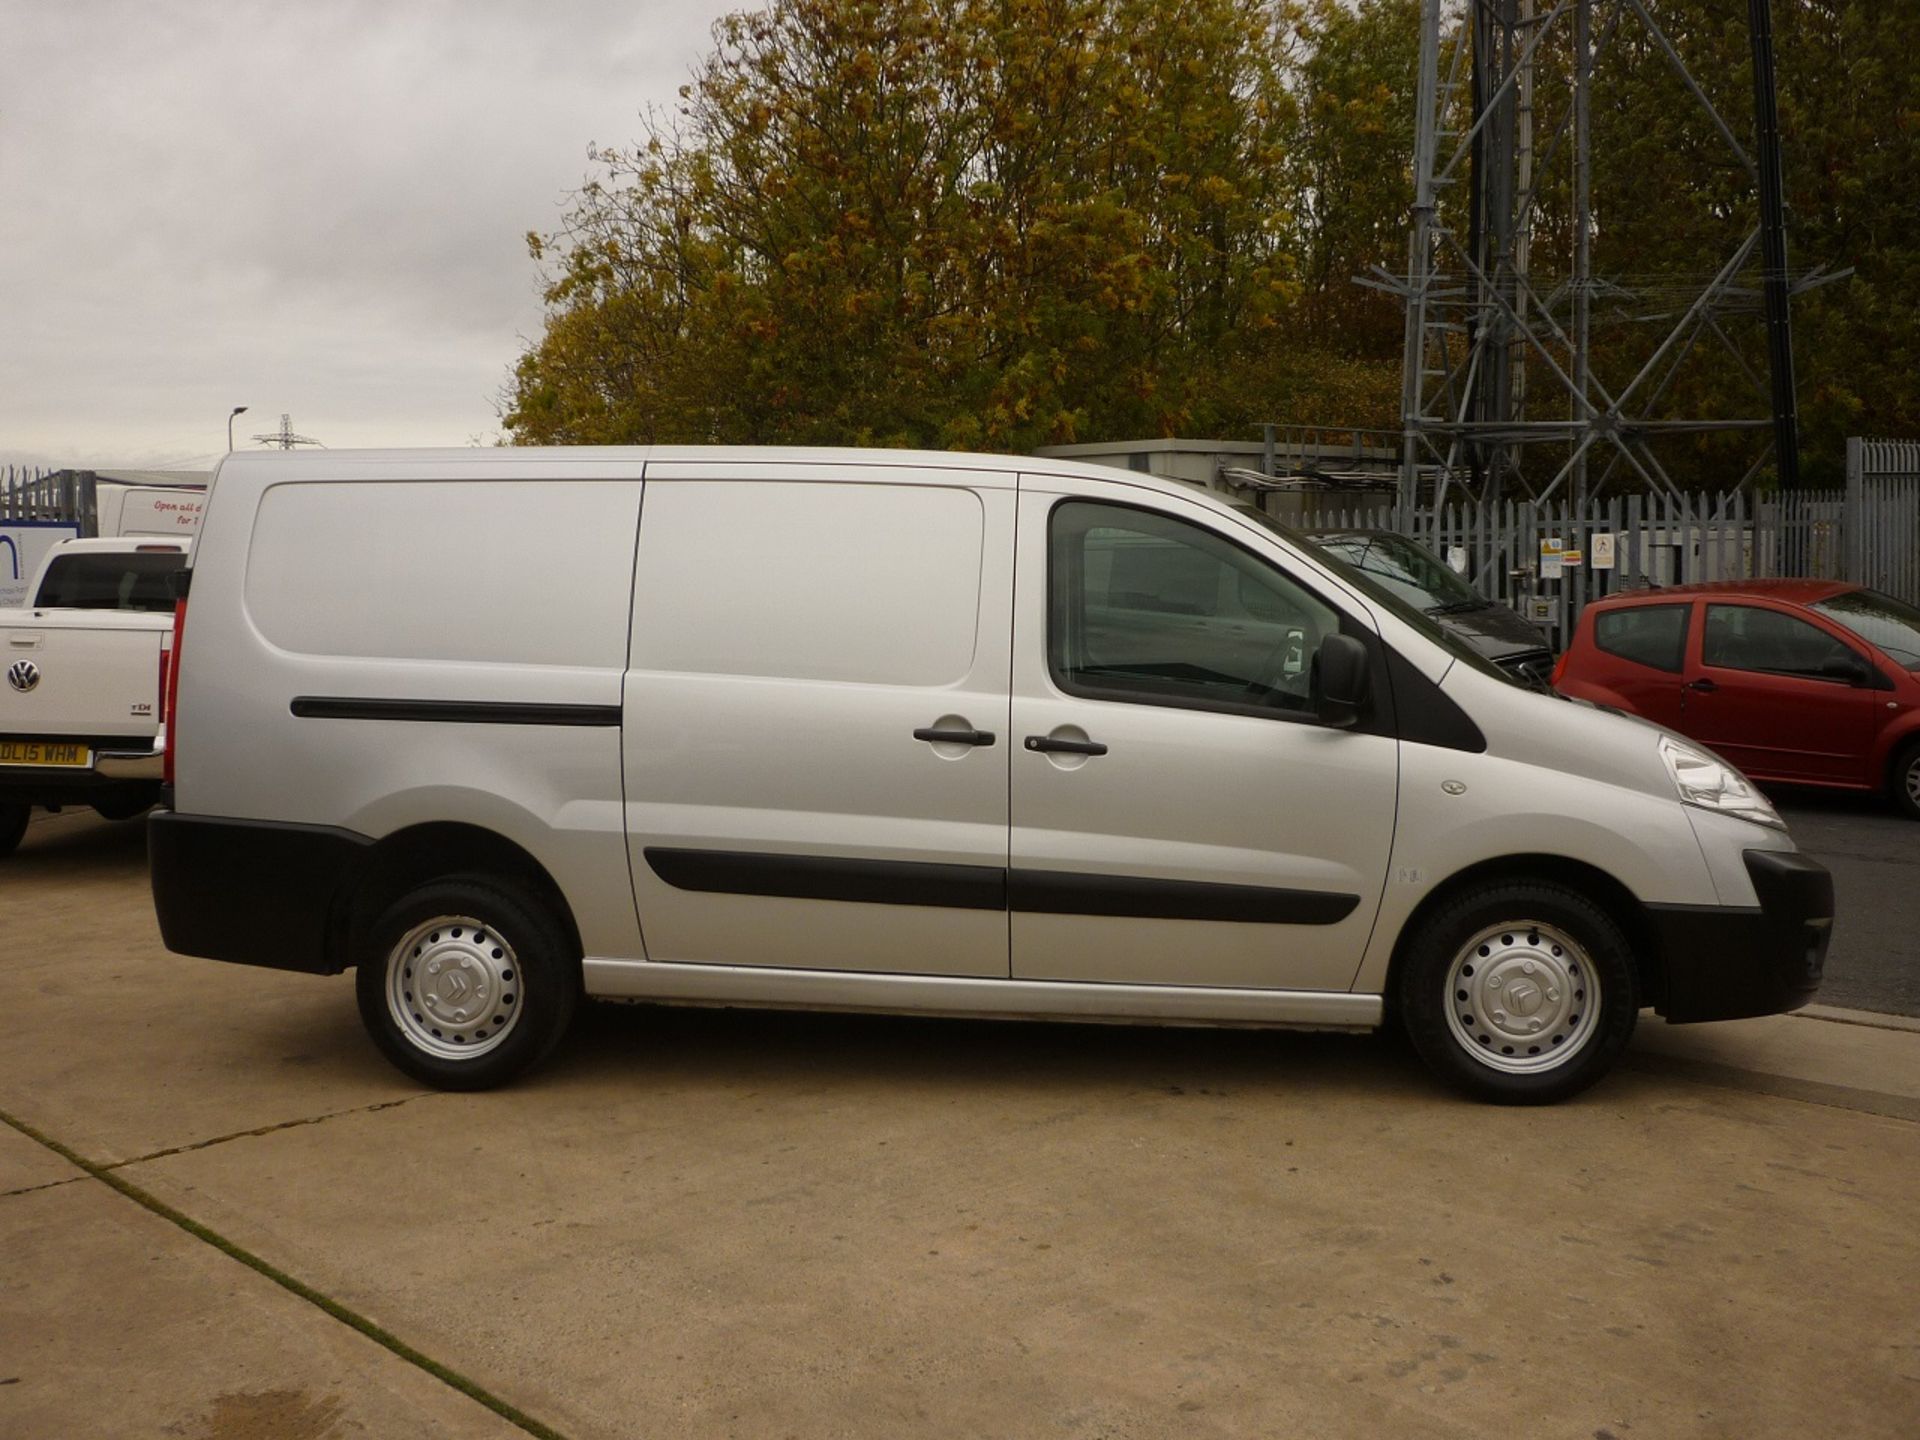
point(956, 734)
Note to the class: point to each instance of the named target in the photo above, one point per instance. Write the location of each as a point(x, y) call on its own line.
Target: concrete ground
point(222, 1215)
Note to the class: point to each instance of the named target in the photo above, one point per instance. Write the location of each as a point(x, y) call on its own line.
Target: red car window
point(1746, 637)
point(1654, 635)
point(1891, 624)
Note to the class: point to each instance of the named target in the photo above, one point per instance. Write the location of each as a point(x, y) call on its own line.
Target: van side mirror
point(1341, 677)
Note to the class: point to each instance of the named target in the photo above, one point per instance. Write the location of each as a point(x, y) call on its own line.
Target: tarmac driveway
point(222, 1215)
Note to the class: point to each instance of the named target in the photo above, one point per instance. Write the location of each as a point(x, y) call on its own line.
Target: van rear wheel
point(465, 983)
point(1520, 992)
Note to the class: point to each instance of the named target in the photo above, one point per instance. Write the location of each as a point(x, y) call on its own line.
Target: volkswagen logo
point(23, 675)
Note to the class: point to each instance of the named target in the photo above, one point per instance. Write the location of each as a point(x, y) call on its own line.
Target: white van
point(954, 734)
point(153, 510)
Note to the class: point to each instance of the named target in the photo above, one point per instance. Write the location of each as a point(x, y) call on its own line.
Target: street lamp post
point(237, 410)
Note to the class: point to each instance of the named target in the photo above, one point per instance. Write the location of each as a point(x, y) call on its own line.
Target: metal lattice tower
point(1481, 319)
point(284, 436)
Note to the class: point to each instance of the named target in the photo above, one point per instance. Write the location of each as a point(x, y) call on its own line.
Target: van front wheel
point(1521, 993)
point(465, 983)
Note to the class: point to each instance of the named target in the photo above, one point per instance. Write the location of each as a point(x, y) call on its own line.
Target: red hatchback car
point(1804, 682)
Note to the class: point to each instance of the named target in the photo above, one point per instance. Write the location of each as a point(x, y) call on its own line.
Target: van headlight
point(1712, 784)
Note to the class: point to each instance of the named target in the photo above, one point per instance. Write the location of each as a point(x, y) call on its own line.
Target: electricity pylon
point(1498, 357)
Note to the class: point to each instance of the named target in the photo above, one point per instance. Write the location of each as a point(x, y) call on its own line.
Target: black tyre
point(464, 983)
point(1905, 778)
point(1519, 992)
point(13, 826)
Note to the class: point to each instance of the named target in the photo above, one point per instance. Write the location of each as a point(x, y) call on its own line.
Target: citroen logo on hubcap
point(23, 675)
point(1524, 996)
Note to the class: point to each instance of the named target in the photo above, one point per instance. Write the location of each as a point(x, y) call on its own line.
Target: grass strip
point(384, 1338)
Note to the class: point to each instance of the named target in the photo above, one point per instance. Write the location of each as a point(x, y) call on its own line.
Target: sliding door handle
point(1046, 744)
point(934, 735)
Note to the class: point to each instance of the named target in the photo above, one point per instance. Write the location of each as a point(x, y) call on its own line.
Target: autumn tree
point(940, 222)
point(1348, 166)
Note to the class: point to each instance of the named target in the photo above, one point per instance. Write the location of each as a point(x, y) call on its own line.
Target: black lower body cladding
point(255, 892)
point(1726, 963)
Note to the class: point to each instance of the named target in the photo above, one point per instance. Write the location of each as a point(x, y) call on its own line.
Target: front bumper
point(1729, 962)
point(254, 892)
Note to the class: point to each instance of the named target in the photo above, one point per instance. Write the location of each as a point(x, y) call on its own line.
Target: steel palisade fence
point(32, 494)
point(1868, 533)
point(1883, 491)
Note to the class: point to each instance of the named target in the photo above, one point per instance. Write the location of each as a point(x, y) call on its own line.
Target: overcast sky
point(315, 208)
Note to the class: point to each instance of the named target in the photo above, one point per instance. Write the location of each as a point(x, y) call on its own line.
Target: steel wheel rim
point(1522, 997)
point(453, 987)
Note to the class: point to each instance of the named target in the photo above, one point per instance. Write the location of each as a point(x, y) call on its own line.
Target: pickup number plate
point(44, 752)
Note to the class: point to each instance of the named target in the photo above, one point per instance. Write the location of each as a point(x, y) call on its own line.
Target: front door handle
point(1046, 744)
point(1705, 687)
point(935, 735)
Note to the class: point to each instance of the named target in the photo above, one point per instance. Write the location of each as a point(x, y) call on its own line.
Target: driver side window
point(1144, 607)
point(1745, 637)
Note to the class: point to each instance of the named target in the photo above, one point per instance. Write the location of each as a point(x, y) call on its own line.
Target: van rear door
point(815, 716)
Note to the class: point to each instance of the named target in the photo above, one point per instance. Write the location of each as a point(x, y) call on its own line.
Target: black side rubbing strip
point(826, 877)
point(988, 887)
point(1062, 892)
point(460, 712)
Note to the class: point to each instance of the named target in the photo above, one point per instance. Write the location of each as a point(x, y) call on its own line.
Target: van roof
point(257, 469)
point(606, 460)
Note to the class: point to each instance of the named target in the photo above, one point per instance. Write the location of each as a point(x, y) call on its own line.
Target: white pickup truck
point(81, 706)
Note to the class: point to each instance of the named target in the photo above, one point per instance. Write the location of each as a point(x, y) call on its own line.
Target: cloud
point(313, 208)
